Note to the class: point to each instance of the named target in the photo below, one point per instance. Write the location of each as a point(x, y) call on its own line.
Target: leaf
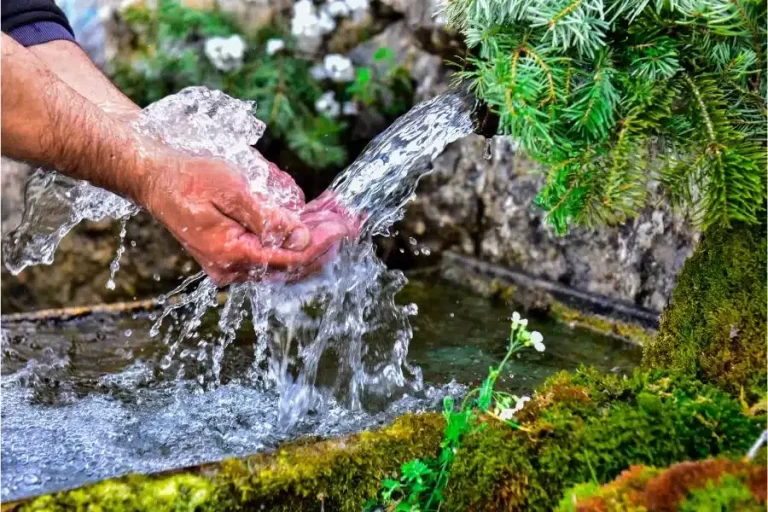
point(415, 470)
point(384, 54)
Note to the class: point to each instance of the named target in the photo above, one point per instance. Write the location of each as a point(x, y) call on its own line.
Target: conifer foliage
point(609, 94)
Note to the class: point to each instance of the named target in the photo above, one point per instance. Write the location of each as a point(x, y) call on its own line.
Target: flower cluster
point(530, 339)
point(310, 22)
point(225, 53)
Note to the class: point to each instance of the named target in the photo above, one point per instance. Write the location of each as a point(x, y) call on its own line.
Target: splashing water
point(345, 313)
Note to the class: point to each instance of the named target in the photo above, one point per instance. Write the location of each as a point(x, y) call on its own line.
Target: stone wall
point(484, 207)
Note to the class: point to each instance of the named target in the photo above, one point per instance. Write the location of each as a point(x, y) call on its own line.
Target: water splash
point(346, 313)
point(115, 265)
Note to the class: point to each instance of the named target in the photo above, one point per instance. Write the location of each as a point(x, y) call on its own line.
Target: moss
point(633, 333)
point(714, 485)
point(175, 493)
point(580, 427)
point(715, 326)
point(589, 427)
point(338, 475)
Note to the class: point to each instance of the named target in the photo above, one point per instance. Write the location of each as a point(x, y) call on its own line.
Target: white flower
point(358, 9)
point(350, 109)
point(339, 68)
point(337, 8)
point(537, 340)
point(524, 322)
point(274, 46)
point(506, 414)
point(307, 23)
point(326, 22)
point(520, 404)
point(357, 5)
point(327, 105)
point(515, 319)
point(225, 53)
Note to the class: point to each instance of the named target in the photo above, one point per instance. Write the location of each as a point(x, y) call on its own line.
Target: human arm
point(205, 203)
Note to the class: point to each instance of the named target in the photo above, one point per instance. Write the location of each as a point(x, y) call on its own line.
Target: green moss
point(589, 427)
point(730, 494)
point(175, 493)
point(633, 333)
point(715, 327)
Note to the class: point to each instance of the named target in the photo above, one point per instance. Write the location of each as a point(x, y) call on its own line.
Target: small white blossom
point(515, 319)
point(524, 322)
point(339, 68)
point(337, 8)
point(537, 339)
point(327, 105)
point(358, 9)
point(326, 22)
point(225, 53)
point(307, 23)
point(520, 404)
point(350, 109)
point(274, 46)
point(506, 414)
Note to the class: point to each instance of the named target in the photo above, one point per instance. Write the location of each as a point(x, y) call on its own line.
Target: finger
point(324, 238)
point(274, 225)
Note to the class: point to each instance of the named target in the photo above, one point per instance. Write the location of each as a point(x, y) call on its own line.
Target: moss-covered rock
point(588, 426)
point(715, 326)
point(716, 485)
point(579, 427)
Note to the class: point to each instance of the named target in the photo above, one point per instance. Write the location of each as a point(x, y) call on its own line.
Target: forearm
point(46, 122)
point(72, 66)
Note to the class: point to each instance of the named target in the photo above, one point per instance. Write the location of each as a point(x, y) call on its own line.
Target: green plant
point(384, 84)
point(422, 481)
point(169, 55)
point(610, 94)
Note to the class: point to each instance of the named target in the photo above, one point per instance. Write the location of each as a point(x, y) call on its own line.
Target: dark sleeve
point(34, 21)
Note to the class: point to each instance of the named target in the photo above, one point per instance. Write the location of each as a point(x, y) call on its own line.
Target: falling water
point(346, 313)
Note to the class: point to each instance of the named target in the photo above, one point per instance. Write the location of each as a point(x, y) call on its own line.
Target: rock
point(420, 14)
point(251, 15)
point(485, 207)
point(80, 271)
point(427, 70)
point(14, 177)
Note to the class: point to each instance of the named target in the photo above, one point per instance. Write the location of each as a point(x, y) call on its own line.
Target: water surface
point(89, 399)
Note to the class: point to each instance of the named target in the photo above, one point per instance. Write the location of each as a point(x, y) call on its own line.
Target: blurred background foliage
point(169, 53)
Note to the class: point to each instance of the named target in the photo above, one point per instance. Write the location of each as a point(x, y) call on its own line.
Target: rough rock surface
point(485, 207)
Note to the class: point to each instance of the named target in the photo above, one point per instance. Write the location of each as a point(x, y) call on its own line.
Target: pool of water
point(87, 399)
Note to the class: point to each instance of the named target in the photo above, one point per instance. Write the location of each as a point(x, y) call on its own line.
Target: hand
point(233, 233)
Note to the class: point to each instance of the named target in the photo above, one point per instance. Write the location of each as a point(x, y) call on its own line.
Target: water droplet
point(128, 333)
point(156, 277)
point(412, 241)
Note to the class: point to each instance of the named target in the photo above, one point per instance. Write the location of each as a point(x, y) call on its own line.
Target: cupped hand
point(233, 233)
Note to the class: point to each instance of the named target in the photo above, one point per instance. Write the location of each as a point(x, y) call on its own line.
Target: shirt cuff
point(40, 32)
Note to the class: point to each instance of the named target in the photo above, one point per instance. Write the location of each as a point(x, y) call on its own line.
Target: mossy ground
point(715, 326)
point(710, 485)
point(579, 427)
